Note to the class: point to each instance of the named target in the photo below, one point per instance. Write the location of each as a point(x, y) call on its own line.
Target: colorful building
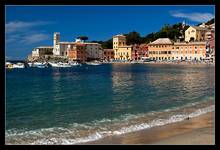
point(160, 49)
point(165, 49)
point(189, 51)
point(139, 51)
point(108, 54)
point(77, 52)
point(93, 50)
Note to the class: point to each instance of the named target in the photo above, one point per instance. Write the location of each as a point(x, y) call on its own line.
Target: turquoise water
point(84, 103)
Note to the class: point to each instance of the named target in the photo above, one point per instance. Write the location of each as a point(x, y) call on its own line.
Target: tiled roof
point(189, 43)
point(199, 28)
point(162, 41)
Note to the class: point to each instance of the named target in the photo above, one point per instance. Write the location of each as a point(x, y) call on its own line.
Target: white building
point(93, 50)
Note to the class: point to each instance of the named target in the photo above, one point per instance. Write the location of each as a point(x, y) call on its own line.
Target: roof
point(78, 43)
point(199, 28)
point(108, 49)
point(189, 43)
point(119, 35)
point(162, 41)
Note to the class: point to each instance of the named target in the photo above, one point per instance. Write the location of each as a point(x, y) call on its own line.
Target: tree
point(133, 38)
point(107, 44)
point(84, 38)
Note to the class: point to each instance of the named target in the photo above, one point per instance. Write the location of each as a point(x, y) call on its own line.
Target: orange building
point(77, 52)
point(109, 54)
point(189, 51)
point(165, 49)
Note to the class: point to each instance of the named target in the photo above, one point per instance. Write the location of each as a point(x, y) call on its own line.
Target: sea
point(86, 103)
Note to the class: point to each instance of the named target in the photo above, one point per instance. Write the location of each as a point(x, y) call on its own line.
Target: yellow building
point(160, 49)
point(123, 53)
point(196, 33)
point(121, 50)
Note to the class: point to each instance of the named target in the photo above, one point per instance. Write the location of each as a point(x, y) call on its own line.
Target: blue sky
point(31, 26)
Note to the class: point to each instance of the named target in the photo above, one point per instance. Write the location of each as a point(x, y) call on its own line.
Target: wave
point(80, 133)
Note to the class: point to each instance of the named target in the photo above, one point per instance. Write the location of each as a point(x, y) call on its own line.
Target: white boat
point(93, 63)
point(74, 64)
point(18, 65)
point(30, 64)
point(8, 65)
point(60, 65)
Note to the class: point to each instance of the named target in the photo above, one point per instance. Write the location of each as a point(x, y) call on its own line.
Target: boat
point(30, 64)
point(95, 63)
point(60, 65)
point(74, 64)
point(8, 65)
point(41, 66)
point(19, 65)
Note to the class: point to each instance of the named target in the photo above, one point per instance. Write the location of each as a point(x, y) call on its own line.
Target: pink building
point(139, 51)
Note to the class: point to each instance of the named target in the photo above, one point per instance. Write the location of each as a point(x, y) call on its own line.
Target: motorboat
point(19, 65)
point(60, 64)
point(95, 63)
point(74, 64)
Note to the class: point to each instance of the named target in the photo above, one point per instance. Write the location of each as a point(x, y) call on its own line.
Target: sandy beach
point(195, 131)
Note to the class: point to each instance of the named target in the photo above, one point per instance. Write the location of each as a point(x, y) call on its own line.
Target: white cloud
point(196, 17)
point(34, 38)
point(16, 26)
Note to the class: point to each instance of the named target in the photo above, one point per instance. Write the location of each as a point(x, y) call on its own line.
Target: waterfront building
point(108, 54)
point(41, 51)
point(121, 49)
point(195, 33)
point(94, 50)
point(77, 52)
point(189, 51)
point(139, 51)
point(160, 49)
point(166, 49)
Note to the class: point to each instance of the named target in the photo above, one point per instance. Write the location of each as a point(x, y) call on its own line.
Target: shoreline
point(163, 63)
point(195, 131)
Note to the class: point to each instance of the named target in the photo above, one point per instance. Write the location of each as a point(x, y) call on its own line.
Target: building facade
point(93, 50)
point(160, 49)
point(165, 49)
point(139, 51)
point(122, 51)
point(108, 54)
point(195, 33)
point(77, 52)
point(41, 51)
point(189, 51)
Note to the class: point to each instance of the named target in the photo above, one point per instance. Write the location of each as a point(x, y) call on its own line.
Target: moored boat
point(95, 63)
point(74, 64)
point(19, 65)
point(60, 65)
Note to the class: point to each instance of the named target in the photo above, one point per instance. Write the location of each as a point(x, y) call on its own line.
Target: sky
point(27, 27)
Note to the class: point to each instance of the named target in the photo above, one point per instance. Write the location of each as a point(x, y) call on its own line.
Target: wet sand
point(195, 131)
